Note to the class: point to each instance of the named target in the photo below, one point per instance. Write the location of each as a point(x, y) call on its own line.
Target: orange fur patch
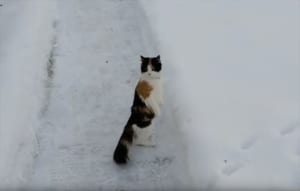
point(144, 89)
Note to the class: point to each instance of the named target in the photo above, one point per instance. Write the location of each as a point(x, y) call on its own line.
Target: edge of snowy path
point(24, 54)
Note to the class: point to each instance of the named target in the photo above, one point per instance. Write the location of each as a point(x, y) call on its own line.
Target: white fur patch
point(143, 136)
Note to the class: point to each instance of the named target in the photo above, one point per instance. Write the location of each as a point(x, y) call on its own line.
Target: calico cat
point(148, 99)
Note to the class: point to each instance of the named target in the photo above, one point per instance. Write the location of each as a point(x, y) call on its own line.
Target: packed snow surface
point(236, 81)
point(231, 118)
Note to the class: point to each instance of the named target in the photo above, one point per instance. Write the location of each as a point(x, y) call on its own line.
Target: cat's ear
point(142, 57)
point(158, 57)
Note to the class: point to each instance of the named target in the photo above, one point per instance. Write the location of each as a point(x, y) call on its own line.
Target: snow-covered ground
point(236, 79)
point(96, 66)
point(25, 41)
point(232, 81)
point(90, 70)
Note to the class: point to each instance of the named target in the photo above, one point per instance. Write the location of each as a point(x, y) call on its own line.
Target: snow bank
point(234, 70)
point(25, 41)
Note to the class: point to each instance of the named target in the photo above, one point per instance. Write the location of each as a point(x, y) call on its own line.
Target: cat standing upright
point(147, 103)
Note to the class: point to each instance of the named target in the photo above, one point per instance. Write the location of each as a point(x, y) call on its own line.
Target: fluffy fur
point(147, 103)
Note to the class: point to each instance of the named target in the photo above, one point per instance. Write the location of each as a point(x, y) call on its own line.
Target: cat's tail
point(122, 149)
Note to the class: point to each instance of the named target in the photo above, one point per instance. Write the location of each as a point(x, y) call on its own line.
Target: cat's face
point(151, 67)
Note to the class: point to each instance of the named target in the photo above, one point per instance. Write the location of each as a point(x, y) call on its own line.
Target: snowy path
point(91, 75)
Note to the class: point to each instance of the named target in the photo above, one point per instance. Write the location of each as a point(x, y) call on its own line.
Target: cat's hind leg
point(143, 136)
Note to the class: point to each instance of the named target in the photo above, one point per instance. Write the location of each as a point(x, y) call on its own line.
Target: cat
point(147, 103)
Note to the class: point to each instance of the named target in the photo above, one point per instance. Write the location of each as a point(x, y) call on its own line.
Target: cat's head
point(151, 67)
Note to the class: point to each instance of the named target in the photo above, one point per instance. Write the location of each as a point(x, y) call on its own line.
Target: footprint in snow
point(290, 128)
point(249, 143)
point(160, 161)
point(230, 169)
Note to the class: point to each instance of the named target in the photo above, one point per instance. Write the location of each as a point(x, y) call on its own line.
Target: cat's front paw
point(155, 110)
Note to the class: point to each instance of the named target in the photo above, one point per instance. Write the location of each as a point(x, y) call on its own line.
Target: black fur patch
point(121, 154)
point(144, 65)
point(140, 114)
point(121, 151)
point(154, 61)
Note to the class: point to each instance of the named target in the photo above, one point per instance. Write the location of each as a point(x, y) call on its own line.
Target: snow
point(25, 38)
point(96, 65)
point(232, 87)
point(234, 70)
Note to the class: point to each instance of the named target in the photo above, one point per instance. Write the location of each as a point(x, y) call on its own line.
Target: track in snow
point(93, 71)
